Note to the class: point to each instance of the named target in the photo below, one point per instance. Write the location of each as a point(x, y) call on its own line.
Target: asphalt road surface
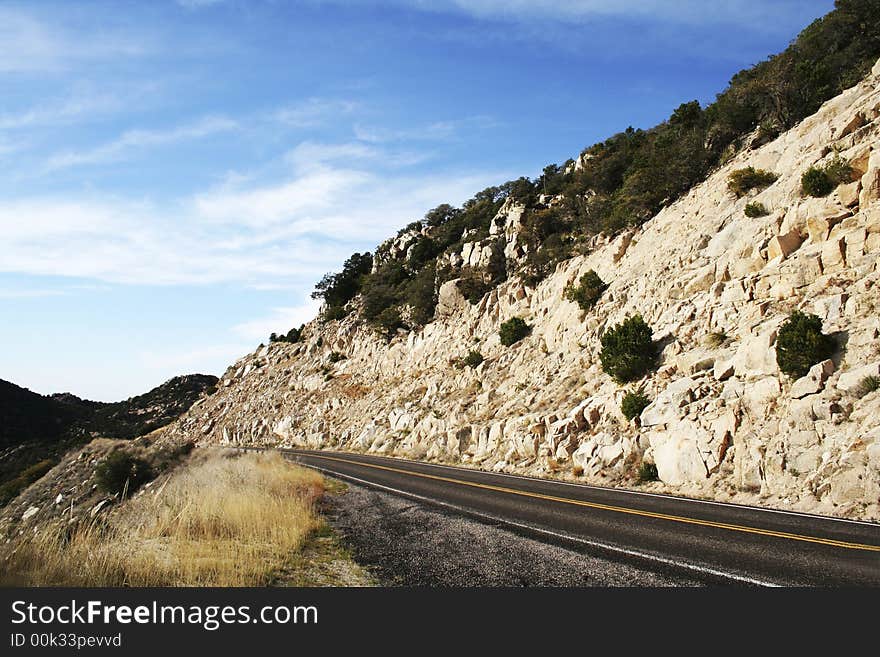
point(715, 542)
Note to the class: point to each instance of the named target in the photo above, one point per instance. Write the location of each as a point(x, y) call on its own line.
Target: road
point(722, 543)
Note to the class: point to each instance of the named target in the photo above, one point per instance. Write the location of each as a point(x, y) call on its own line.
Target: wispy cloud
point(313, 112)
point(744, 12)
point(31, 44)
point(62, 112)
point(287, 232)
point(136, 140)
point(436, 131)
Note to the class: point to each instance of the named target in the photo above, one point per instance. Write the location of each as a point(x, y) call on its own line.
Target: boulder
point(818, 229)
point(583, 455)
point(756, 356)
point(610, 454)
point(848, 486)
point(783, 246)
point(723, 370)
point(856, 122)
point(871, 181)
point(830, 308)
point(669, 403)
point(849, 193)
point(855, 244)
point(852, 379)
point(814, 381)
point(833, 254)
point(694, 361)
point(677, 458)
point(450, 300)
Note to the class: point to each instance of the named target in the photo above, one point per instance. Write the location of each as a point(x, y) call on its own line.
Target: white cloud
point(437, 131)
point(289, 232)
point(302, 200)
point(59, 113)
point(135, 140)
point(32, 45)
point(743, 12)
point(280, 321)
point(313, 112)
point(84, 102)
point(309, 154)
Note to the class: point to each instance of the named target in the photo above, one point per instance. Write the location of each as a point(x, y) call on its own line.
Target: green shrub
point(633, 404)
point(333, 313)
point(473, 286)
point(801, 344)
point(295, 334)
point(755, 209)
point(741, 181)
point(473, 359)
point(816, 182)
point(821, 181)
point(867, 385)
point(647, 472)
point(839, 170)
point(335, 357)
point(388, 321)
point(122, 472)
point(628, 352)
point(513, 330)
point(588, 290)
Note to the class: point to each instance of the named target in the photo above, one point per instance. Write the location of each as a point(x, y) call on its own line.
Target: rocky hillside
point(36, 430)
point(714, 285)
point(140, 415)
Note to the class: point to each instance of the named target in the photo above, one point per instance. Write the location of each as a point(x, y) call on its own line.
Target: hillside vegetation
point(222, 520)
point(36, 430)
point(613, 185)
point(727, 347)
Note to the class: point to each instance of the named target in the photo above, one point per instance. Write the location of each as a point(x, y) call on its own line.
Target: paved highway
point(724, 543)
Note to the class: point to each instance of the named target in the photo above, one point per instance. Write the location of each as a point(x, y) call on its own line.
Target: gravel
point(404, 543)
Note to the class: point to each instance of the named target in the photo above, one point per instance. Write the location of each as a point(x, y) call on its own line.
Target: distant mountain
point(36, 430)
point(26, 416)
point(145, 413)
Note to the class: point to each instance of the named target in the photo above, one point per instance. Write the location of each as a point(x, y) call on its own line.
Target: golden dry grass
point(223, 520)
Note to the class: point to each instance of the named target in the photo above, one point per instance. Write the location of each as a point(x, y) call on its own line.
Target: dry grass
point(223, 520)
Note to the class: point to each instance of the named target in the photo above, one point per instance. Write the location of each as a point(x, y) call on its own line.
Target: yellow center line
point(617, 509)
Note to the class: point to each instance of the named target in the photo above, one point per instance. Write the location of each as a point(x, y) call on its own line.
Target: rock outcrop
point(724, 423)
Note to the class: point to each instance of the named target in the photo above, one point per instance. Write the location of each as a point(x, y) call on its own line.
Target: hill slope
point(714, 285)
point(35, 430)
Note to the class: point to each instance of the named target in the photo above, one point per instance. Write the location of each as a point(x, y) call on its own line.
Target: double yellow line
point(618, 509)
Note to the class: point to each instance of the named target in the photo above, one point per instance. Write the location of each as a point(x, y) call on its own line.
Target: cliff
point(714, 285)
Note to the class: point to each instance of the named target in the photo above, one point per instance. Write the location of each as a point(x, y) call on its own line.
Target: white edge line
point(612, 489)
point(595, 544)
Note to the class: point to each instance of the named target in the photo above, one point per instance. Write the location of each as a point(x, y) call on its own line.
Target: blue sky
point(178, 173)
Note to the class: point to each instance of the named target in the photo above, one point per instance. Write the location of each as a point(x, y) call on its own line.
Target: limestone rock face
point(723, 421)
point(450, 300)
point(814, 381)
point(783, 246)
point(851, 379)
